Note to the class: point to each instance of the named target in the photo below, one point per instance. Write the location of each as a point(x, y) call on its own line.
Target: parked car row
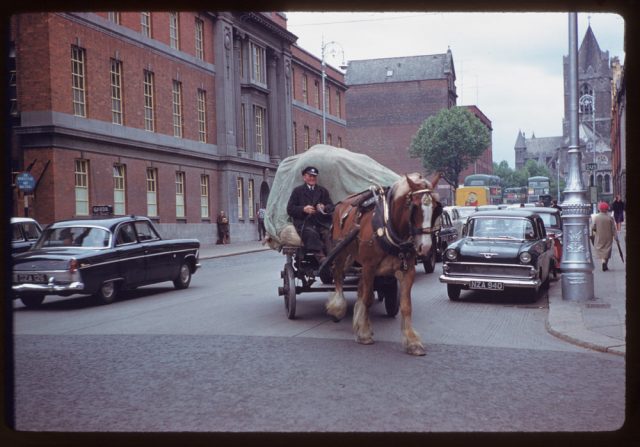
point(100, 257)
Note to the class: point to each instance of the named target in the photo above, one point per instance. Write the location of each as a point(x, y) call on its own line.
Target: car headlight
point(451, 254)
point(525, 257)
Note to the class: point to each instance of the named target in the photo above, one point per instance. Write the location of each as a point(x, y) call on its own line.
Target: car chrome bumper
point(50, 288)
point(531, 283)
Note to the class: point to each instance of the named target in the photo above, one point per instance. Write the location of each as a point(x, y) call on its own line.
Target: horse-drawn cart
point(343, 173)
point(301, 272)
point(381, 224)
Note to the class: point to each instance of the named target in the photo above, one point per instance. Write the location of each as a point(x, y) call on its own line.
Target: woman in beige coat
point(603, 231)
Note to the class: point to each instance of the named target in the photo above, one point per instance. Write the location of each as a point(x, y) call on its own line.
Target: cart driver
point(310, 207)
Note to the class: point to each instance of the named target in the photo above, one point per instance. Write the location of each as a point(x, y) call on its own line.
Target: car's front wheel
point(184, 277)
point(32, 300)
point(453, 290)
point(107, 292)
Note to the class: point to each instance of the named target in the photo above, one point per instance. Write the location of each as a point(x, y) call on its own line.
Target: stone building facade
point(596, 88)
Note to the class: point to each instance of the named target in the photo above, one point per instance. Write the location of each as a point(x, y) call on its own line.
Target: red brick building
point(307, 102)
point(174, 115)
point(387, 101)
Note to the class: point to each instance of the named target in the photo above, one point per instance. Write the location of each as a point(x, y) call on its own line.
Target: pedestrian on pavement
point(618, 211)
point(262, 232)
point(603, 232)
point(310, 207)
point(223, 228)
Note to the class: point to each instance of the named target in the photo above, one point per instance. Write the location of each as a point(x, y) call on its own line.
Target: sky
point(507, 64)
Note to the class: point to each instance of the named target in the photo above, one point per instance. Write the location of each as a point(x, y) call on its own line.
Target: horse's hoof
point(416, 350)
point(364, 340)
point(335, 319)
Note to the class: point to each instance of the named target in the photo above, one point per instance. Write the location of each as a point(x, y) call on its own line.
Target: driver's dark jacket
point(302, 196)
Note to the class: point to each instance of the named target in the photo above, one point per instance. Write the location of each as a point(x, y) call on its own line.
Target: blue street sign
point(25, 181)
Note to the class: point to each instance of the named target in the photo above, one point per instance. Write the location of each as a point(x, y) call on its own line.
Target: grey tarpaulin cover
point(342, 172)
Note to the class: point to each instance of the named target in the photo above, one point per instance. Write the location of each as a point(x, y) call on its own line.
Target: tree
point(450, 141)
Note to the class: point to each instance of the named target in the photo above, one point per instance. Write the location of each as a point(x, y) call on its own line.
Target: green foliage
point(450, 141)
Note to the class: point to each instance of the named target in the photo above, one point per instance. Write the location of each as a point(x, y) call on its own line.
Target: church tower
point(594, 112)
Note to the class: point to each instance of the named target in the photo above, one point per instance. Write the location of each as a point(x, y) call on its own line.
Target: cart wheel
point(289, 291)
point(389, 293)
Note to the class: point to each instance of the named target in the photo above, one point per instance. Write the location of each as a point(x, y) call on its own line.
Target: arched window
point(599, 182)
point(607, 183)
point(586, 103)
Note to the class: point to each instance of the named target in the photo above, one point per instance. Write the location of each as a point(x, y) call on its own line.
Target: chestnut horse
point(389, 237)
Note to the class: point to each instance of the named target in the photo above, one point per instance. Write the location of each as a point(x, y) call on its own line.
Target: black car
point(440, 240)
point(25, 231)
point(499, 249)
point(101, 257)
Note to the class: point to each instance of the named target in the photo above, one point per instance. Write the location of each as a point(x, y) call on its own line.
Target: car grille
point(489, 270)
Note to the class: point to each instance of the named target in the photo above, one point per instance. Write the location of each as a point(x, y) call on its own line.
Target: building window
point(204, 196)
point(338, 105)
point(327, 100)
point(586, 107)
point(202, 116)
point(295, 138)
point(305, 96)
point(240, 192)
point(116, 91)
point(152, 192)
point(119, 194)
point(174, 30)
point(339, 141)
point(179, 194)
point(199, 39)
point(177, 109)
point(241, 60)
point(78, 81)
point(243, 127)
point(260, 114)
point(82, 187)
point(306, 138)
point(329, 139)
point(149, 112)
point(13, 90)
point(258, 64)
point(145, 23)
point(250, 201)
point(317, 93)
point(114, 17)
point(293, 83)
point(318, 136)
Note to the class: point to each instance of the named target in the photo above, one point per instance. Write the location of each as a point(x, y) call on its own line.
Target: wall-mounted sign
point(25, 182)
point(102, 210)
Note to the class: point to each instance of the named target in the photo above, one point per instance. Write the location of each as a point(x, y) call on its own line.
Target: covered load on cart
point(342, 173)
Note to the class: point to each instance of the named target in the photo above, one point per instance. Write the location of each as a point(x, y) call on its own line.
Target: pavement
point(597, 323)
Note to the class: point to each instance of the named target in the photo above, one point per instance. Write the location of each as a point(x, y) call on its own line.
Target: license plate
point(486, 285)
point(32, 277)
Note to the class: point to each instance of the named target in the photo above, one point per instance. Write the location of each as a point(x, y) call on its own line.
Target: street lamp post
point(577, 264)
point(334, 46)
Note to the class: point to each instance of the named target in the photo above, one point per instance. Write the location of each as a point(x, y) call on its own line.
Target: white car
point(459, 215)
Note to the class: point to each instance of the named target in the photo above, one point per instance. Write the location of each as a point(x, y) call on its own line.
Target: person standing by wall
point(262, 232)
point(603, 231)
point(618, 211)
point(223, 228)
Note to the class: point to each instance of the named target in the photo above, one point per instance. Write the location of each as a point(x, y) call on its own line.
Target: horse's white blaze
point(423, 241)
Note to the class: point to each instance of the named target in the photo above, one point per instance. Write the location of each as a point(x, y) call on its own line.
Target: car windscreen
point(494, 227)
point(87, 237)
